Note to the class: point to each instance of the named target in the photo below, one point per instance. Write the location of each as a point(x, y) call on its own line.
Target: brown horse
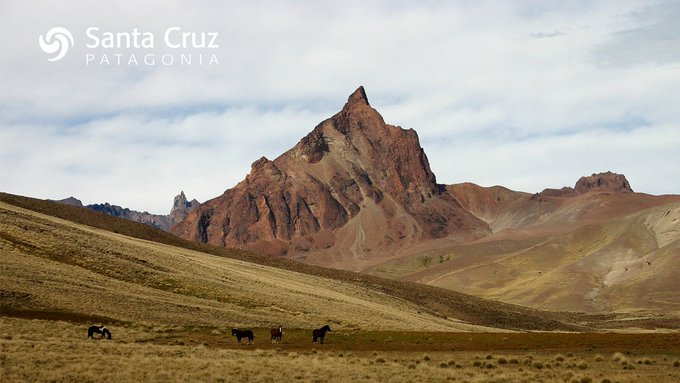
point(277, 334)
point(320, 333)
point(243, 334)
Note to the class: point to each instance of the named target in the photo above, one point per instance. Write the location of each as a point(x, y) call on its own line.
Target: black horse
point(98, 330)
point(243, 334)
point(320, 333)
point(277, 334)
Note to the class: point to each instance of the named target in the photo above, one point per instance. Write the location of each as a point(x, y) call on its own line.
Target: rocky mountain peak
point(352, 180)
point(611, 182)
point(358, 98)
point(181, 207)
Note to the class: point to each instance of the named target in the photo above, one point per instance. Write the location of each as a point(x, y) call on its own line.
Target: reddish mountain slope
point(351, 192)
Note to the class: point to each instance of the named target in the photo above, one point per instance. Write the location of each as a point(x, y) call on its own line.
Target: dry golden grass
point(53, 351)
point(51, 264)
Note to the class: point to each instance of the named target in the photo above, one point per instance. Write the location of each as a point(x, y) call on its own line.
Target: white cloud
point(525, 94)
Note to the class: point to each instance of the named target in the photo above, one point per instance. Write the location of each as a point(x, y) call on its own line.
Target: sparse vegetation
point(426, 261)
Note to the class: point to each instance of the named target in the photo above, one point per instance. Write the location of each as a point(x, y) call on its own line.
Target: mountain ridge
point(180, 209)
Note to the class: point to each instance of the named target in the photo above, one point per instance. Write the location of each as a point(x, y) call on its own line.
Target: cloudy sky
point(525, 94)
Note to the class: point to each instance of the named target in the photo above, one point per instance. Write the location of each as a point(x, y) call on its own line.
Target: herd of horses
point(318, 334)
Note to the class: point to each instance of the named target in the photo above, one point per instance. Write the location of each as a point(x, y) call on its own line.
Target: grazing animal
point(98, 330)
point(320, 333)
point(243, 334)
point(277, 333)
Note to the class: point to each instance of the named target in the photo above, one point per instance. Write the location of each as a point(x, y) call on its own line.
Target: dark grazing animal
point(320, 333)
point(277, 334)
point(243, 334)
point(98, 330)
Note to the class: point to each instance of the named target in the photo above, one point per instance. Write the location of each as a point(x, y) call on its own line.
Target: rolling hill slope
point(86, 264)
point(53, 265)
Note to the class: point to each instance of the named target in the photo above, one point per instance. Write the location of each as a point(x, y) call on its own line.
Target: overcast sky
point(524, 94)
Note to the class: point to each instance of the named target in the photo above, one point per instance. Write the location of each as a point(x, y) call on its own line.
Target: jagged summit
point(358, 97)
point(181, 207)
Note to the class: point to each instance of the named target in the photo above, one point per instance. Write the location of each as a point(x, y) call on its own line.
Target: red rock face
point(353, 187)
point(608, 181)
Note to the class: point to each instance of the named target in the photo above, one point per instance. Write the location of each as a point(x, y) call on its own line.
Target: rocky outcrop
point(354, 186)
point(607, 182)
point(181, 207)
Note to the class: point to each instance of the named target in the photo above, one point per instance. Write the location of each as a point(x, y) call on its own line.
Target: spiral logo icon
point(57, 39)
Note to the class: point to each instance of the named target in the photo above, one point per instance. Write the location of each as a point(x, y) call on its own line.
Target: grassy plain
point(58, 351)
